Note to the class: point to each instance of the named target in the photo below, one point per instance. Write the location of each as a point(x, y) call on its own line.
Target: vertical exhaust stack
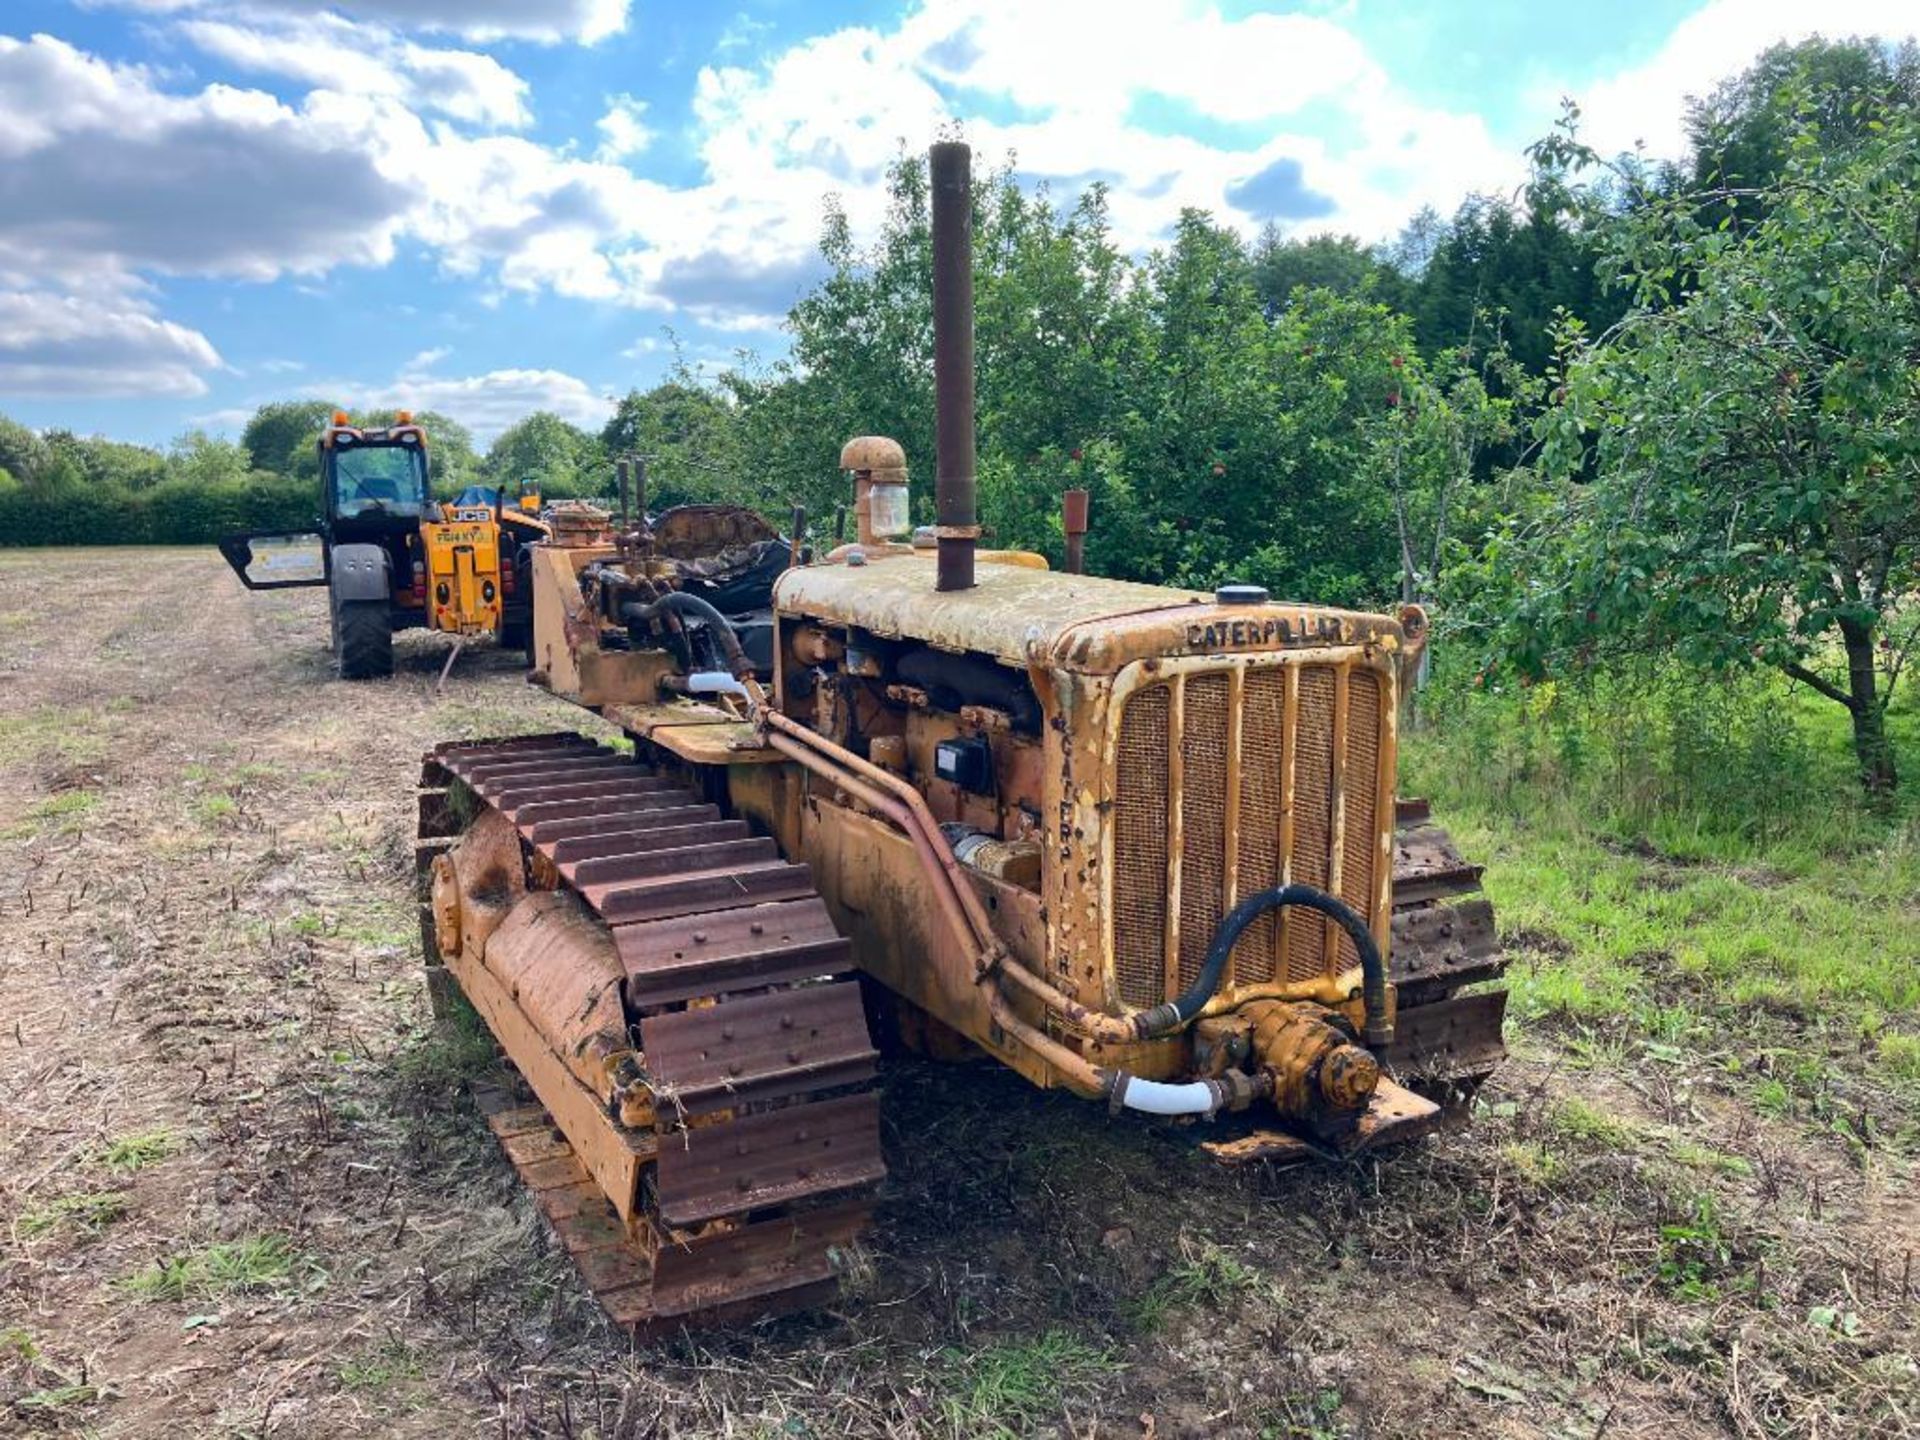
point(956, 523)
point(1073, 523)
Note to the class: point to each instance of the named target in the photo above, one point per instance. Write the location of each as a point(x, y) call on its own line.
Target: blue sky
point(492, 206)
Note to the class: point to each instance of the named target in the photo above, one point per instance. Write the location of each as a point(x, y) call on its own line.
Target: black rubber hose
point(685, 604)
point(1373, 966)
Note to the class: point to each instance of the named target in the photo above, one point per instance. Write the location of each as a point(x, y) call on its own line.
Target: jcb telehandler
point(393, 559)
point(1137, 842)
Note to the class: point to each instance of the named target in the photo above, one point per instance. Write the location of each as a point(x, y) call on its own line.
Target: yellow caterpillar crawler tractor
point(393, 559)
point(1137, 842)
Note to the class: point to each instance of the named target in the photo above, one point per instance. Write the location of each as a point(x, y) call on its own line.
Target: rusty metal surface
point(1444, 938)
point(1452, 944)
point(666, 896)
point(673, 960)
point(1229, 779)
point(1086, 623)
point(667, 912)
point(636, 835)
point(561, 819)
point(759, 1047)
point(1426, 866)
point(950, 181)
point(1450, 1039)
point(695, 532)
point(767, 1257)
point(770, 1157)
point(645, 862)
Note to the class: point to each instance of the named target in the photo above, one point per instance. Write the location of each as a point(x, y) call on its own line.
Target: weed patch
point(1205, 1275)
point(391, 1363)
point(1011, 1387)
point(257, 1264)
point(89, 1212)
point(137, 1151)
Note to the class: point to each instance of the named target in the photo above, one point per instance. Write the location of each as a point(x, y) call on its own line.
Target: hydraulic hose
point(645, 612)
point(1373, 967)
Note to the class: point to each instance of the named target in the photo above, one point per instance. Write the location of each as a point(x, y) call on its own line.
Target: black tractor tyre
point(362, 639)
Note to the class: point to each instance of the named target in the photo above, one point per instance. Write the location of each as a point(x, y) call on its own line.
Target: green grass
point(66, 803)
point(1675, 854)
point(58, 1397)
point(1205, 1275)
point(457, 1047)
point(74, 737)
point(89, 1212)
point(1901, 1055)
point(259, 1263)
point(1583, 1124)
point(215, 810)
point(1010, 1387)
point(129, 1153)
point(391, 1363)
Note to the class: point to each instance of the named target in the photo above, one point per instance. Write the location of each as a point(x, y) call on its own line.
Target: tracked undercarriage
point(713, 1167)
point(698, 1122)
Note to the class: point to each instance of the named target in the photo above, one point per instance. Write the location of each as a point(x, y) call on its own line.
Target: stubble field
point(243, 1193)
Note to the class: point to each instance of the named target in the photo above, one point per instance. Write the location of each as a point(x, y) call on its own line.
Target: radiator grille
point(1178, 746)
point(1203, 851)
point(1140, 834)
point(1312, 821)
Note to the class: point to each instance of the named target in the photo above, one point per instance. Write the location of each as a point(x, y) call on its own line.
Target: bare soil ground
point(242, 1191)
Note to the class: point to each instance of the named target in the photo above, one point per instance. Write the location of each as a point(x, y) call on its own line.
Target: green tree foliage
point(1219, 437)
point(280, 437)
point(690, 436)
point(74, 490)
point(1520, 264)
point(1742, 133)
point(557, 459)
point(23, 454)
point(1735, 467)
point(1340, 263)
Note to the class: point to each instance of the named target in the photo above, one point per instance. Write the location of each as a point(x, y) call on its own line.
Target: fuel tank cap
point(1241, 595)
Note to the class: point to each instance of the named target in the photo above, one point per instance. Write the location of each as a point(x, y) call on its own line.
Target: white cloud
point(330, 53)
point(62, 345)
point(228, 422)
point(485, 404)
point(425, 361)
point(623, 129)
point(547, 21)
point(104, 175)
point(1072, 76)
point(1647, 103)
point(112, 175)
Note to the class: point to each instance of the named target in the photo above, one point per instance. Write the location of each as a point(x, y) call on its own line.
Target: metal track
point(1443, 940)
point(757, 1162)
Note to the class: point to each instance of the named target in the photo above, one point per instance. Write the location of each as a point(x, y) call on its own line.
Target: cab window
point(379, 480)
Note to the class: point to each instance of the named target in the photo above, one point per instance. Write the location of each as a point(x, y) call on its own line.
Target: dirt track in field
point(207, 943)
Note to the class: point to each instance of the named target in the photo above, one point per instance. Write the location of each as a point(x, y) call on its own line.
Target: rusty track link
point(756, 1163)
point(1443, 940)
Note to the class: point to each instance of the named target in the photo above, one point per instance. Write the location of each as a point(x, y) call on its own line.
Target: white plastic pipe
point(715, 682)
point(1152, 1097)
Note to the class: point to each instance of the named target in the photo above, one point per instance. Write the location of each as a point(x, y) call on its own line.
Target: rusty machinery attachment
point(1138, 842)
